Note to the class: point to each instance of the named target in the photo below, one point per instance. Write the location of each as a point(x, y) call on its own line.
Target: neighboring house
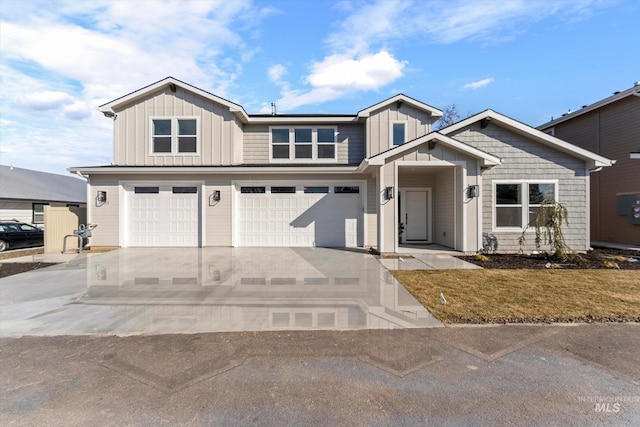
point(611, 128)
point(193, 169)
point(24, 193)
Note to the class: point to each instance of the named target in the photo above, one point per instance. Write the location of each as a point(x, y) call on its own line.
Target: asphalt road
point(495, 375)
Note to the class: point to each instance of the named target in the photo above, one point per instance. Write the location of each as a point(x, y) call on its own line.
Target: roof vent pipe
point(273, 108)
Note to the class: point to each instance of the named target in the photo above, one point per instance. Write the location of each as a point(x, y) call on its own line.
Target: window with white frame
point(516, 203)
point(299, 144)
point(398, 133)
point(38, 213)
point(174, 135)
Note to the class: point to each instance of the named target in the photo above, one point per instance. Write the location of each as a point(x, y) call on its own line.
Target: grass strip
point(512, 296)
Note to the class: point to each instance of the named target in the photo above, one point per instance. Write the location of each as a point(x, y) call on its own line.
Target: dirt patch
point(592, 260)
point(11, 268)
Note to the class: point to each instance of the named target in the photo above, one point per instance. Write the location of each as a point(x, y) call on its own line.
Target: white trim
point(594, 160)
point(524, 203)
point(174, 136)
point(479, 208)
point(314, 145)
point(235, 190)
point(486, 158)
point(634, 155)
point(125, 195)
point(112, 105)
point(404, 131)
point(222, 170)
point(379, 204)
point(429, 213)
point(434, 112)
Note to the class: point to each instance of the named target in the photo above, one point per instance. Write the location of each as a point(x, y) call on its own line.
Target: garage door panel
point(300, 219)
point(168, 217)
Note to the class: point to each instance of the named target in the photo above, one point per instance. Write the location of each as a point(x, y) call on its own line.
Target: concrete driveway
point(140, 291)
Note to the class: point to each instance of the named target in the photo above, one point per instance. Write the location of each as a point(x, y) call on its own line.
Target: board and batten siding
point(219, 134)
point(349, 143)
point(523, 159)
point(378, 126)
point(612, 131)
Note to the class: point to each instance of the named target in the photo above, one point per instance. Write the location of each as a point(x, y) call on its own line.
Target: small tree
point(450, 115)
point(548, 225)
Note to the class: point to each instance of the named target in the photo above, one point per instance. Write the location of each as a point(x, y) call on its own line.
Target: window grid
point(300, 144)
point(517, 202)
point(174, 135)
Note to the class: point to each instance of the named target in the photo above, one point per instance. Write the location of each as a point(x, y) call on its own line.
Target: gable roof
point(486, 158)
point(593, 160)
point(634, 91)
point(435, 113)
point(26, 184)
point(108, 108)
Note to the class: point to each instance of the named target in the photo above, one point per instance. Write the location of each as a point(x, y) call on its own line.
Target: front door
point(415, 215)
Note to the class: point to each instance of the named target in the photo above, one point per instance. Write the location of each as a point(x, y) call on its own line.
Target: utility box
point(629, 206)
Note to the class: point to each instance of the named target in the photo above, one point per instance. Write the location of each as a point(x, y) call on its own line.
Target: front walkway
point(425, 257)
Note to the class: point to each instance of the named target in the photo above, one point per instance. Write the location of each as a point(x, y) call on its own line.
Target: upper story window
point(300, 144)
point(516, 203)
point(173, 135)
point(398, 133)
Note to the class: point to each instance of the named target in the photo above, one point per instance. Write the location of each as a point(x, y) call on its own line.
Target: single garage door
point(163, 216)
point(298, 215)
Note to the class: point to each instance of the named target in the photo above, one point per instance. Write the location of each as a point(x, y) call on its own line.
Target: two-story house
point(193, 169)
point(611, 128)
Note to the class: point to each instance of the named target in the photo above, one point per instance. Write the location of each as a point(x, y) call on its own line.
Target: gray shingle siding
point(523, 159)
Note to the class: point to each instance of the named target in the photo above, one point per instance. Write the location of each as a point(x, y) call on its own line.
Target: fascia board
point(488, 159)
point(529, 132)
point(233, 107)
point(310, 120)
point(404, 98)
point(169, 170)
point(632, 91)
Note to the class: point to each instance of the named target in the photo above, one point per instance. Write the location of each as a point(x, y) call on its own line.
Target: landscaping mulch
point(11, 268)
point(592, 260)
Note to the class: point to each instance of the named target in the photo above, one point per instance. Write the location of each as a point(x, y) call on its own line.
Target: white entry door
point(415, 215)
point(163, 215)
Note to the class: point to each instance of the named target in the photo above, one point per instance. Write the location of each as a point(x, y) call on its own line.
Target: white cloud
point(276, 74)
point(368, 72)
point(47, 100)
point(478, 84)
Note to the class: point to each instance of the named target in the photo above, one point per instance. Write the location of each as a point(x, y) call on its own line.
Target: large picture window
point(303, 144)
point(173, 135)
point(516, 203)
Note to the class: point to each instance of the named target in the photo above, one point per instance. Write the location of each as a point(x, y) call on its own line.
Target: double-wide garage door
point(299, 215)
point(163, 215)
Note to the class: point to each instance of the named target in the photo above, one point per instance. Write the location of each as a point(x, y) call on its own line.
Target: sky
point(528, 59)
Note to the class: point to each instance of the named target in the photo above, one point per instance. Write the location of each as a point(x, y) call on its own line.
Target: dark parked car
point(14, 235)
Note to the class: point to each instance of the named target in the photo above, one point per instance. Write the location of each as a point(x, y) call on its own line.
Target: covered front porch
point(430, 196)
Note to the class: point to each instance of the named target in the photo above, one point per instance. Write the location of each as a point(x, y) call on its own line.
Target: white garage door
point(163, 216)
point(296, 215)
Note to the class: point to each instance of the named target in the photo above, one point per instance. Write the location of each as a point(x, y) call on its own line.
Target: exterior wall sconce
point(473, 191)
point(214, 198)
point(388, 193)
point(101, 198)
point(432, 144)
